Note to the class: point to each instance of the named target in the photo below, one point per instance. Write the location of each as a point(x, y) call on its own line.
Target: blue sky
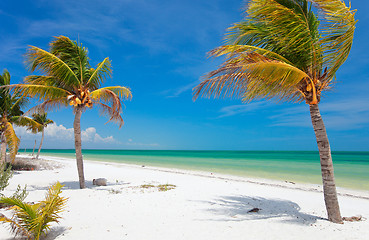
point(158, 49)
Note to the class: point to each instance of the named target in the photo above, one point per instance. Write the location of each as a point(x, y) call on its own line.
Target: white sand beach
point(202, 205)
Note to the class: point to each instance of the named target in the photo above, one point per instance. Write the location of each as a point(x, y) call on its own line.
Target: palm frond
point(49, 210)
point(34, 219)
point(42, 92)
point(47, 81)
point(99, 74)
point(16, 228)
point(48, 63)
point(288, 28)
point(5, 78)
point(25, 121)
point(104, 93)
point(113, 114)
point(252, 76)
point(24, 214)
point(74, 55)
point(337, 33)
point(112, 95)
point(12, 140)
point(232, 51)
point(41, 118)
point(49, 105)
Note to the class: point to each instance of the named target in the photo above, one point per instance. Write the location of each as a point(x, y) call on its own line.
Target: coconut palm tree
point(283, 51)
point(69, 79)
point(42, 119)
point(10, 114)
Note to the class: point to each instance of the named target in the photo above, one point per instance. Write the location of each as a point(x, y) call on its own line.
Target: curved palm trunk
point(3, 148)
point(329, 186)
point(78, 146)
point(42, 140)
point(33, 151)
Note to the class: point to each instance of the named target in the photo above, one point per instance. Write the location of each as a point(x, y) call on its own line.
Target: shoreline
point(296, 166)
point(201, 205)
point(309, 187)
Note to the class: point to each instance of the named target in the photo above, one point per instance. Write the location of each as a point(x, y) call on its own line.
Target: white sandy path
point(199, 208)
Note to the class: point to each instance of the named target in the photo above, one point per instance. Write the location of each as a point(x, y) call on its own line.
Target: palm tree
point(70, 80)
point(10, 113)
point(42, 119)
point(282, 51)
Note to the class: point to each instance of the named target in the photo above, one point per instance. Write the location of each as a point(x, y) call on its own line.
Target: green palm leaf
point(39, 59)
point(30, 123)
point(35, 219)
point(42, 92)
point(337, 33)
point(99, 74)
point(288, 28)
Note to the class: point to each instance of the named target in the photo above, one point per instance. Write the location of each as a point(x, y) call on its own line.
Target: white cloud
point(90, 135)
point(61, 133)
point(55, 131)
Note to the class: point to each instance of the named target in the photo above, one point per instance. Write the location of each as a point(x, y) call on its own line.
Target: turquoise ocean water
point(351, 168)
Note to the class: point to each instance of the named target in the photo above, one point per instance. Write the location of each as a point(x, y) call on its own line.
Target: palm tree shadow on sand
point(67, 185)
point(236, 208)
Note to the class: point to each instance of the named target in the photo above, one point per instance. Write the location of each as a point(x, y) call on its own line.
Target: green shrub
point(5, 174)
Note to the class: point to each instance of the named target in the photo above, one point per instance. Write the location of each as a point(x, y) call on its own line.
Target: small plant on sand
point(6, 174)
point(33, 220)
point(166, 187)
point(147, 186)
point(161, 187)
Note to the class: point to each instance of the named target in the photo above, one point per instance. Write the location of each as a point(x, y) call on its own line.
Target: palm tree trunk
point(42, 140)
point(329, 186)
point(78, 146)
point(3, 147)
point(34, 146)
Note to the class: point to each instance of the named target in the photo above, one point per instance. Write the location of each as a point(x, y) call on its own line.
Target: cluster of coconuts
point(83, 100)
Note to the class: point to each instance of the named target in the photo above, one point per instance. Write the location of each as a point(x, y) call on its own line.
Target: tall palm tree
point(10, 114)
point(282, 51)
point(42, 119)
point(69, 79)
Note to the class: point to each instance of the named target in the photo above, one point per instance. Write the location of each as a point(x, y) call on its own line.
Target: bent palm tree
point(42, 119)
point(281, 51)
point(70, 80)
point(10, 113)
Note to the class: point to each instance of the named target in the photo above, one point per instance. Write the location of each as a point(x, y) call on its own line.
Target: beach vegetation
point(147, 186)
point(165, 187)
point(33, 220)
point(69, 80)
point(160, 187)
point(286, 52)
point(6, 174)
